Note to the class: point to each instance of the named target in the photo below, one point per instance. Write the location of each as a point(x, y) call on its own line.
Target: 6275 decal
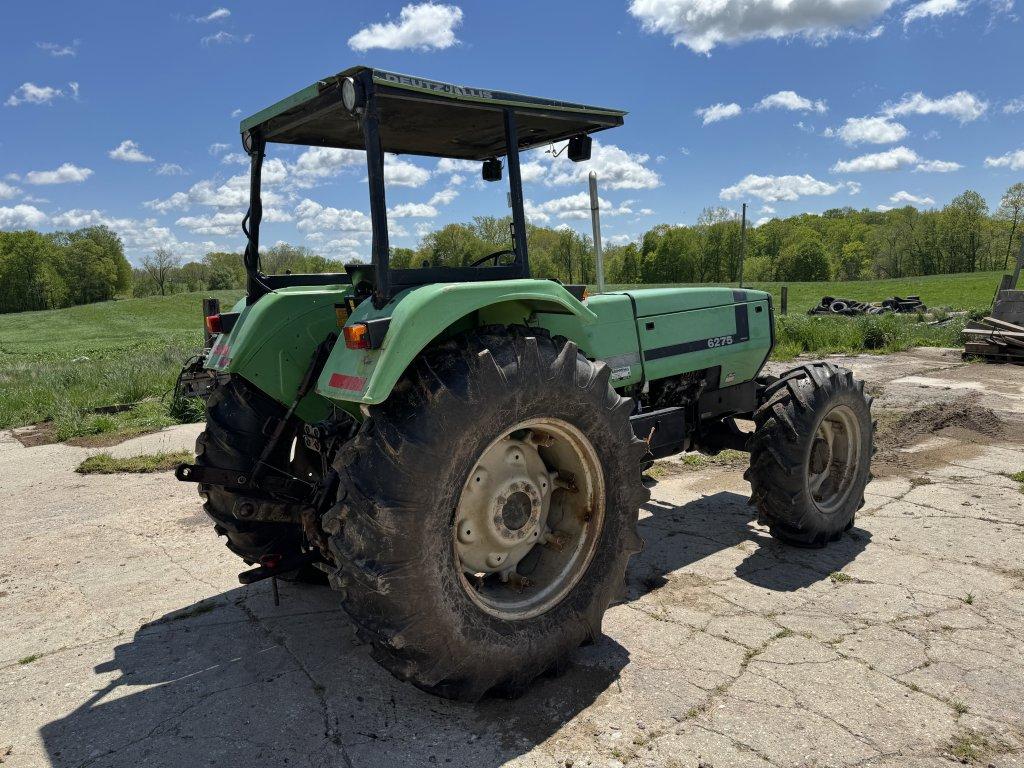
point(720, 341)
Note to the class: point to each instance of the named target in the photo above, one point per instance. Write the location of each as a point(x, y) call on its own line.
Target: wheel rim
point(834, 459)
point(529, 518)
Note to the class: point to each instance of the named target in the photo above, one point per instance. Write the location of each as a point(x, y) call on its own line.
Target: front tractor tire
point(486, 512)
point(810, 456)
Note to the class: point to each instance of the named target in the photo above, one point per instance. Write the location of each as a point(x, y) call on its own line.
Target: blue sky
point(127, 113)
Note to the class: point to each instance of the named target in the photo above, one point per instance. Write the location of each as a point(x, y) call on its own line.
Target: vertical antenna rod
point(595, 220)
point(743, 241)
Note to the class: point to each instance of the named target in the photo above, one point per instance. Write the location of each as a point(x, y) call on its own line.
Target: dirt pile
point(961, 419)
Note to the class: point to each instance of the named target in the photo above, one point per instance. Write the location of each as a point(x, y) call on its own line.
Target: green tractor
point(459, 450)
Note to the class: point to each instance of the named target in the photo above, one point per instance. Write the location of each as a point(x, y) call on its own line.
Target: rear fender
point(420, 315)
point(273, 340)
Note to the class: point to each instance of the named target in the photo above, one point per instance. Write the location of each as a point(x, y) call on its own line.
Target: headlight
point(349, 94)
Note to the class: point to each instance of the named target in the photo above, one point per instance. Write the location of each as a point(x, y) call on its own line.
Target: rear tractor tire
point(810, 456)
point(234, 438)
point(486, 512)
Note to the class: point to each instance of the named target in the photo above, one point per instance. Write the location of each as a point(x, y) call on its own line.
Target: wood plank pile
point(997, 341)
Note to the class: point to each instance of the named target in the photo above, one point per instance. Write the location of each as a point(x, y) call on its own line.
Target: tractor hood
point(664, 301)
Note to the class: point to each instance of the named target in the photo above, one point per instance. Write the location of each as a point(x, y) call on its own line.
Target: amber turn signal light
point(357, 336)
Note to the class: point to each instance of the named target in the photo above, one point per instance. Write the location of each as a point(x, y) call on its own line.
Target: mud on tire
point(785, 449)
point(401, 480)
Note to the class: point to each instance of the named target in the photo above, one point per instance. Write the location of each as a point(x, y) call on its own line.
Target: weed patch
point(105, 464)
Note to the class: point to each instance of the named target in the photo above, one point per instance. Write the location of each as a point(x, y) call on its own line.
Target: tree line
point(44, 271)
point(839, 244)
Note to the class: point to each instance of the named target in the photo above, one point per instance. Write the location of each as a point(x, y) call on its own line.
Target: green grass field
point(57, 365)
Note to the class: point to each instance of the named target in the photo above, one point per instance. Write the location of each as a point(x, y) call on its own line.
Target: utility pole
point(743, 241)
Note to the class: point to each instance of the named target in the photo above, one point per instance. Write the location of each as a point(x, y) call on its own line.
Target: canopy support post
point(254, 287)
point(515, 183)
point(380, 248)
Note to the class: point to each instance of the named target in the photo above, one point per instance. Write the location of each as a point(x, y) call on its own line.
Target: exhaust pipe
point(595, 220)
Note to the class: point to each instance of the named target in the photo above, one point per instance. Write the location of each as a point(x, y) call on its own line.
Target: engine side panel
point(735, 336)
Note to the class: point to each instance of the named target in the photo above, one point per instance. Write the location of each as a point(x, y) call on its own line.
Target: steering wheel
point(493, 257)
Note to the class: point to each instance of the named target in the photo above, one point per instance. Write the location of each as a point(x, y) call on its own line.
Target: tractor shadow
point(676, 536)
point(235, 680)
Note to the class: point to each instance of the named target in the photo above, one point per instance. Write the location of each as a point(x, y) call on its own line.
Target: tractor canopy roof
point(425, 117)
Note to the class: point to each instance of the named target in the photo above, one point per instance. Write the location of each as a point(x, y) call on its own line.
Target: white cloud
point(793, 101)
point(444, 196)
point(620, 240)
point(412, 210)
point(227, 222)
point(139, 235)
point(1013, 107)
point(66, 173)
point(21, 217)
point(218, 223)
point(425, 26)
point(894, 159)
point(7, 191)
point(451, 165)
point(218, 14)
point(719, 111)
point(177, 201)
point(59, 50)
point(615, 168)
point(30, 93)
point(235, 158)
point(767, 209)
point(226, 38)
point(890, 160)
point(573, 207)
point(171, 169)
point(853, 187)
point(869, 130)
point(217, 148)
point(882, 208)
point(700, 25)
point(314, 217)
point(402, 173)
point(318, 163)
point(905, 197)
point(937, 166)
point(930, 8)
point(962, 105)
point(1013, 160)
point(774, 188)
point(645, 212)
point(129, 152)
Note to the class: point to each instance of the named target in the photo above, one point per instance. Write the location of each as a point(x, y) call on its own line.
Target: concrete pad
point(127, 641)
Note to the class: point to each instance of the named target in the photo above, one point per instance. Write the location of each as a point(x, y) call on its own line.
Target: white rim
point(834, 459)
point(529, 518)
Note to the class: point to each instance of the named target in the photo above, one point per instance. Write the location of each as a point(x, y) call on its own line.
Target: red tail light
point(213, 324)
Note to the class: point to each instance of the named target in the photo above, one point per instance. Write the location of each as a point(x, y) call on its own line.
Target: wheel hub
point(518, 509)
point(504, 506)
